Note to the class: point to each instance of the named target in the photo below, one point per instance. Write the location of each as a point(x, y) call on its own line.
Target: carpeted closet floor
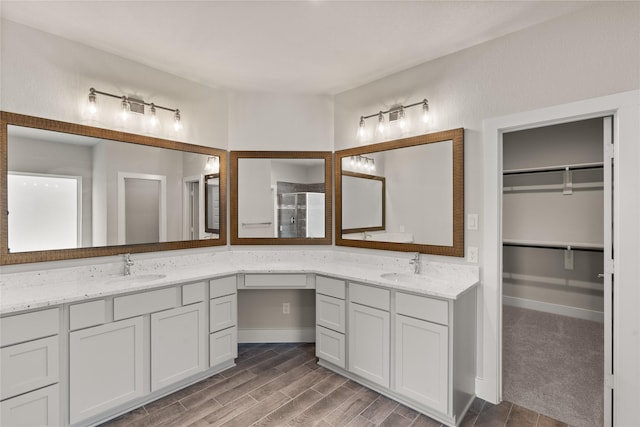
point(553, 365)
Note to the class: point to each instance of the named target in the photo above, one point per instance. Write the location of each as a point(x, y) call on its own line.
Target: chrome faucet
point(416, 263)
point(128, 262)
point(365, 235)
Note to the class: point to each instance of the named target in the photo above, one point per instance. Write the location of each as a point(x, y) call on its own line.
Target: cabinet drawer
point(87, 314)
point(28, 366)
point(278, 281)
point(330, 313)
point(193, 293)
point(223, 286)
point(330, 346)
point(332, 287)
point(222, 313)
point(370, 296)
point(223, 346)
point(144, 302)
point(38, 408)
point(425, 308)
point(29, 326)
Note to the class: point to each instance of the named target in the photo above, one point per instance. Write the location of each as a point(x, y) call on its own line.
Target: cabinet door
point(36, 409)
point(223, 346)
point(105, 367)
point(223, 313)
point(369, 343)
point(330, 346)
point(421, 361)
point(178, 344)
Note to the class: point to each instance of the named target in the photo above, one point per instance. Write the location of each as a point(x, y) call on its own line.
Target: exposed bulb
point(177, 123)
point(425, 111)
point(210, 165)
point(352, 161)
point(361, 128)
point(126, 107)
point(402, 118)
point(381, 125)
point(153, 120)
point(372, 167)
point(92, 105)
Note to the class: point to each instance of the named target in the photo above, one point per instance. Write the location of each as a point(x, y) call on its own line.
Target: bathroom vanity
point(106, 345)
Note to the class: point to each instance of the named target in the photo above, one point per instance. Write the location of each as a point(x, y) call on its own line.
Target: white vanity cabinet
point(369, 333)
point(29, 374)
point(417, 349)
point(331, 320)
point(223, 320)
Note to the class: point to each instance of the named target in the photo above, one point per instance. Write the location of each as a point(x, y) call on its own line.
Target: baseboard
point(564, 310)
point(276, 335)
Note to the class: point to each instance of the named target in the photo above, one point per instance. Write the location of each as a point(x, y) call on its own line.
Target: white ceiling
point(321, 47)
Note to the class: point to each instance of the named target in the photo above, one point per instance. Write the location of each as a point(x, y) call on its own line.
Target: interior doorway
point(142, 208)
point(556, 237)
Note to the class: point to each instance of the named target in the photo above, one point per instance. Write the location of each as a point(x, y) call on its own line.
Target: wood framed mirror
point(423, 201)
point(281, 197)
point(75, 191)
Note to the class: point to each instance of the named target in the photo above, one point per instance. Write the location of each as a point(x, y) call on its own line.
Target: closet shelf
point(557, 168)
point(589, 247)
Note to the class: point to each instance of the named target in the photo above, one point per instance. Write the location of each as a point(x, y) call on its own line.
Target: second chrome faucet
point(416, 263)
point(128, 263)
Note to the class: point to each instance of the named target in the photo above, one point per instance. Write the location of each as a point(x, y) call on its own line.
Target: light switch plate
point(472, 254)
point(472, 221)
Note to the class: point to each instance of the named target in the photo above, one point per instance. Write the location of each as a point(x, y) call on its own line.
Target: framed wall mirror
point(75, 191)
point(281, 197)
point(403, 195)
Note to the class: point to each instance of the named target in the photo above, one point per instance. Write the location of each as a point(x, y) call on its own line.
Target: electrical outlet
point(286, 309)
point(472, 254)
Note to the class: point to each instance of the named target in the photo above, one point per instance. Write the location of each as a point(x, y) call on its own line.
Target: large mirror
point(403, 195)
point(280, 197)
point(74, 191)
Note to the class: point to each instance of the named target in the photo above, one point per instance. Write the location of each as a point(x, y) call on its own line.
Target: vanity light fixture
point(366, 164)
point(132, 105)
point(213, 164)
point(396, 112)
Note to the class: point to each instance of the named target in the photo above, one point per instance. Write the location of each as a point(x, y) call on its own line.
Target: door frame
point(162, 205)
point(625, 109)
point(186, 222)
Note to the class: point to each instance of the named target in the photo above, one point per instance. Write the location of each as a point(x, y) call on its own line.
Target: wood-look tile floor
point(281, 384)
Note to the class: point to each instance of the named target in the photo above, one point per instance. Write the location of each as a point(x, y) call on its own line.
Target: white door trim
point(162, 207)
point(625, 108)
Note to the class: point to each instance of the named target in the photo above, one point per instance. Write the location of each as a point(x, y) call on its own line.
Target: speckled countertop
point(42, 288)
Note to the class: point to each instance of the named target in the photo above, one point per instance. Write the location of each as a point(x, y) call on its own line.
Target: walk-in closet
point(554, 317)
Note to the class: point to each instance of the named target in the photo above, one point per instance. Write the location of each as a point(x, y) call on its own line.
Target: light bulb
point(177, 123)
point(425, 111)
point(361, 129)
point(92, 105)
point(381, 125)
point(126, 107)
point(153, 120)
point(209, 165)
point(373, 165)
point(403, 119)
point(352, 161)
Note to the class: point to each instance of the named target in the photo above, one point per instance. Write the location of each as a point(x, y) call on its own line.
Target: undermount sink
point(407, 278)
point(135, 279)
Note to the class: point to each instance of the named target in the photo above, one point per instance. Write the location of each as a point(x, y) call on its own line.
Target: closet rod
point(559, 168)
point(552, 246)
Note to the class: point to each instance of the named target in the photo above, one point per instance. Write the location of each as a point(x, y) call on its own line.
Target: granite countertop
point(43, 288)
